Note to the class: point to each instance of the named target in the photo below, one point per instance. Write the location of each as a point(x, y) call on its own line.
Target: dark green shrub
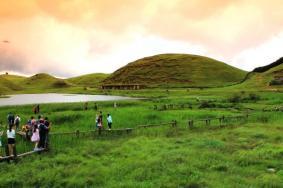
point(254, 97)
point(235, 99)
point(207, 104)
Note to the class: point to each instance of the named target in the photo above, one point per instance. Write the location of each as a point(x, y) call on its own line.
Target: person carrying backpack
point(42, 134)
point(11, 119)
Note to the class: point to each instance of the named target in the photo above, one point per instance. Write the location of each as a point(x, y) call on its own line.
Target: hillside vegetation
point(10, 83)
point(43, 82)
point(165, 70)
point(270, 76)
point(88, 80)
point(177, 70)
point(40, 82)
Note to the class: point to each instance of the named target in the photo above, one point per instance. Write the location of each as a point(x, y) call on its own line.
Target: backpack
point(11, 117)
point(17, 120)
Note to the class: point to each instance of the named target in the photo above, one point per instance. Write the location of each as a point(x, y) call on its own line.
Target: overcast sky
point(73, 37)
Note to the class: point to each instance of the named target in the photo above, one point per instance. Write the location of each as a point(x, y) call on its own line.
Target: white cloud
point(265, 53)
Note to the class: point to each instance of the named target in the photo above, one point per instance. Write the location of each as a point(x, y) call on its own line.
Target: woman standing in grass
point(11, 135)
point(35, 137)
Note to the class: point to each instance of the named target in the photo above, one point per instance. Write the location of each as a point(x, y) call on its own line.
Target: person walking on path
point(109, 121)
point(17, 122)
point(35, 137)
point(11, 135)
point(11, 119)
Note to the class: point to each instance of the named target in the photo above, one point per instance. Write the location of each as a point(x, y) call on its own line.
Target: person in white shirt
point(11, 135)
point(109, 121)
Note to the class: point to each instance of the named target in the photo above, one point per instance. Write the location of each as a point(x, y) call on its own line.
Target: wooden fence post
point(77, 133)
point(191, 124)
point(174, 123)
point(207, 121)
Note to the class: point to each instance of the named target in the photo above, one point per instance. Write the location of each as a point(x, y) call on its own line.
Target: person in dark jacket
point(11, 119)
point(43, 130)
point(47, 124)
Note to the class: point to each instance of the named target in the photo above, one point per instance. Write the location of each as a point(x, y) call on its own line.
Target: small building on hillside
point(123, 86)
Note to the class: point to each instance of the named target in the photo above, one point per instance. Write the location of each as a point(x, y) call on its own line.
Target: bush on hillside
point(235, 99)
point(207, 104)
point(253, 97)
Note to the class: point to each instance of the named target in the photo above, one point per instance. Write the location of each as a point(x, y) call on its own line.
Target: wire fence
point(57, 141)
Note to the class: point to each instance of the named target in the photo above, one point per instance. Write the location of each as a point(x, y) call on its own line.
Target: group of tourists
point(37, 131)
point(99, 121)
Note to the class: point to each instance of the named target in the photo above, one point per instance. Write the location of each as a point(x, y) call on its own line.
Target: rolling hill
point(13, 83)
point(10, 83)
point(88, 80)
point(266, 76)
point(46, 81)
point(177, 70)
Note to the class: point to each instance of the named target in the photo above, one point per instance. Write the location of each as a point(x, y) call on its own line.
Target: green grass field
point(239, 154)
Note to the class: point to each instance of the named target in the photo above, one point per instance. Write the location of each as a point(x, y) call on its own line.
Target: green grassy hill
point(10, 83)
point(177, 70)
point(89, 80)
point(43, 80)
point(270, 76)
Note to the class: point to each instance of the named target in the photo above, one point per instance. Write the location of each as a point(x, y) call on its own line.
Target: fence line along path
point(191, 124)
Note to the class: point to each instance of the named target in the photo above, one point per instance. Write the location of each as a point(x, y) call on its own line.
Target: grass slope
point(43, 80)
point(263, 80)
point(177, 70)
point(10, 83)
point(89, 80)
